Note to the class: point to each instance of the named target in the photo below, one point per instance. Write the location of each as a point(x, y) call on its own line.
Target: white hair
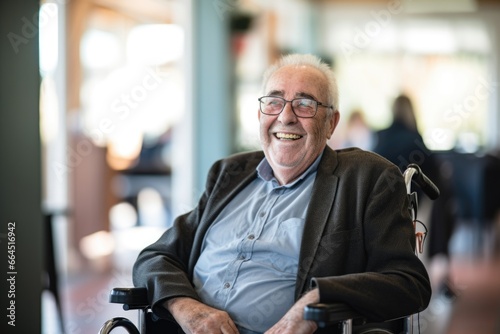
point(314, 62)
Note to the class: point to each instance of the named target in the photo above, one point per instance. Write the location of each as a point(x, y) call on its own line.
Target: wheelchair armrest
point(131, 298)
point(328, 314)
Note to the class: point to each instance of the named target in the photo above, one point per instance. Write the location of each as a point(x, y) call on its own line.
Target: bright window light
point(97, 245)
point(99, 49)
point(48, 37)
point(132, 102)
point(155, 44)
point(473, 37)
point(429, 39)
point(122, 216)
point(151, 208)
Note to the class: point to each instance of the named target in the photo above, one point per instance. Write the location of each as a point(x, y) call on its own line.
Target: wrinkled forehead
point(297, 81)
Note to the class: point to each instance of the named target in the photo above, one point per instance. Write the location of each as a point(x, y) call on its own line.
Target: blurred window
point(132, 86)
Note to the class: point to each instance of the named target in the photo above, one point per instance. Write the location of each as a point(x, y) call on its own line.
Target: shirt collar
point(265, 172)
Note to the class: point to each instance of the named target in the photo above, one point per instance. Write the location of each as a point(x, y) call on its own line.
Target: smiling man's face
point(291, 144)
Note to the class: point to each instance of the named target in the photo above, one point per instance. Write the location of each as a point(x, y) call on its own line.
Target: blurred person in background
point(358, 133)
point(402, 144)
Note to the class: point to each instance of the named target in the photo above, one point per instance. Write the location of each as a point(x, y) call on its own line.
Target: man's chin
point(286, 162)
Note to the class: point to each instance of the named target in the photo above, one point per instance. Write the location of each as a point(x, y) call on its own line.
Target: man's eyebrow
point(275, 93)
point(298, 94)
point(306, 95)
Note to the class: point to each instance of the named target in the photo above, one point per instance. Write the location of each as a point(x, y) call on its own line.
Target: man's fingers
point(233, 326)
point(229, 328)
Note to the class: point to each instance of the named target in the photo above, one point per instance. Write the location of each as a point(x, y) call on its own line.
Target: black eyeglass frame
point(318, 104)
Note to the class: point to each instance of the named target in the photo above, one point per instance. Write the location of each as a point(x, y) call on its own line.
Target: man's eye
point(304, 103)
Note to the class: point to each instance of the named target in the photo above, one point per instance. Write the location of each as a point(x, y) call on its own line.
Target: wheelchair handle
point(131, 298)
point(415, 174)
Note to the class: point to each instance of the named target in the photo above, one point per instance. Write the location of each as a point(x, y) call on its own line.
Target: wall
point(20, 185)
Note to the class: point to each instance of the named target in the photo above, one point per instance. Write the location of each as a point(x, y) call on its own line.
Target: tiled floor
point(477, 307)
point(85, 304)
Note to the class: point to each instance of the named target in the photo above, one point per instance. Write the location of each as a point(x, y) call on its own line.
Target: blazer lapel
point(321, 202)
point(233, 180)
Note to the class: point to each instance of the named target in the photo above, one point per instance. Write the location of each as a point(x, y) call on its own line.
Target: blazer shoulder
point(361, 158)
point(252, 157)
point(239, 161)
point(364, 169)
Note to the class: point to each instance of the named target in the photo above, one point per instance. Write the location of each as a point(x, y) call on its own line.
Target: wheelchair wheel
point(396, 326)
point(375, 331)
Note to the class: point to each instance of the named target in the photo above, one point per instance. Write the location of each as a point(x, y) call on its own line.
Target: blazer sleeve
point(389, 280)
point(163, 267)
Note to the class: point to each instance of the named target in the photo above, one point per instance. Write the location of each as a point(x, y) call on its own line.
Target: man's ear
point(334, 121)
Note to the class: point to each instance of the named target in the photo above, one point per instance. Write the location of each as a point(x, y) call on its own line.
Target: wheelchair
point(338, 317)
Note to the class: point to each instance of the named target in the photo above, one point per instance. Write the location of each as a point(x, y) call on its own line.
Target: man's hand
point(293, 321)
point(195, 317)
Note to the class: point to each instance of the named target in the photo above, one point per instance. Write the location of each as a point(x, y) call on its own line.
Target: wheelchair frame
point(325, 315)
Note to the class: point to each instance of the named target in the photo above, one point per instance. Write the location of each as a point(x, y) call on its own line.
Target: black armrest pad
point(326, 314)
point(131, 298)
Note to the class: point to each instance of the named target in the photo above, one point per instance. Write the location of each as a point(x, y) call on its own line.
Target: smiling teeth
point(287, 136)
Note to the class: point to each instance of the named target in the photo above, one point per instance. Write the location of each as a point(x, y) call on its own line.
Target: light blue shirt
point(249, 258)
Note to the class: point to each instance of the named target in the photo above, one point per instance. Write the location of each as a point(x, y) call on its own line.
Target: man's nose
point(287, 115)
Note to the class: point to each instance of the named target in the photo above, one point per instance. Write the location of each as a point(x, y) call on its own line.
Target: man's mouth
point(287, 136)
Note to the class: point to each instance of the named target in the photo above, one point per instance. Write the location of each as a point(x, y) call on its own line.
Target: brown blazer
point(357, 247)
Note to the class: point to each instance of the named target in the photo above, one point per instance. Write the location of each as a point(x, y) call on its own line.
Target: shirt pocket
point(286, 245)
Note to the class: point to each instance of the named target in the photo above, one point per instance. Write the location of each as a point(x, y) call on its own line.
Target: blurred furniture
point(51, 282)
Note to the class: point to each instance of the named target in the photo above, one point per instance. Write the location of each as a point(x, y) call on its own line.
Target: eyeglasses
point(301, 107)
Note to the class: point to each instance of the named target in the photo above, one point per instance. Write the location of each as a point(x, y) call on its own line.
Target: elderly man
point(294, 224)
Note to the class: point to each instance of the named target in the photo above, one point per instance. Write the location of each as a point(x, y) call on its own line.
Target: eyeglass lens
point(302, 107)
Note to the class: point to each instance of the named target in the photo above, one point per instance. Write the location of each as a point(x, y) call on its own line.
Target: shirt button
point(242, 257)
point(251, 237)
point(226, 285)
point(262, 214)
